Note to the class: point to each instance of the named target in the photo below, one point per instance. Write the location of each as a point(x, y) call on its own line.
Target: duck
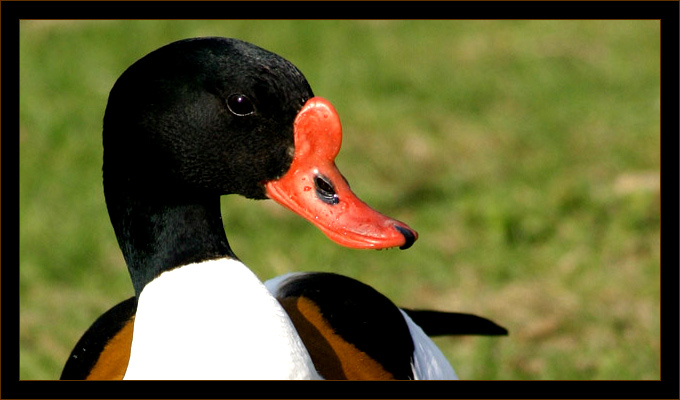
point(206, 117)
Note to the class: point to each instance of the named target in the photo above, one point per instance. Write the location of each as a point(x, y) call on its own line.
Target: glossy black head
point(187, 123)
point(206, 115)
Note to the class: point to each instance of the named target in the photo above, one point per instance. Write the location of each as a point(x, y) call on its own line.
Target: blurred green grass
point(526, 154)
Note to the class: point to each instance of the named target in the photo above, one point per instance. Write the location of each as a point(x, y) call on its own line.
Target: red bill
point(315, 189)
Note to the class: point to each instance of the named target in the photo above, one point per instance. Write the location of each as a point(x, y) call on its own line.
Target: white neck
point(214, 320)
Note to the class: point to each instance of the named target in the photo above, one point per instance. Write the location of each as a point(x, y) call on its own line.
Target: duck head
point(206, 117)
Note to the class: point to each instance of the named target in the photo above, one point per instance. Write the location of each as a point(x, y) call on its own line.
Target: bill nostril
point(409, 235)
point(325, 190)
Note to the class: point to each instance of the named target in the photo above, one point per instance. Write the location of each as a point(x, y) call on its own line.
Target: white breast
point(214, 320)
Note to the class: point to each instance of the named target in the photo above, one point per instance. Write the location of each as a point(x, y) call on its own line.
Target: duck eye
point(240, 104)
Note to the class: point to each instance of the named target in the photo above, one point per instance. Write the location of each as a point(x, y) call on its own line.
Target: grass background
point(525, 153)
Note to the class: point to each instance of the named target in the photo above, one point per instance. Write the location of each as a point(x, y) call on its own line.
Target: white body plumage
point(237, 330)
